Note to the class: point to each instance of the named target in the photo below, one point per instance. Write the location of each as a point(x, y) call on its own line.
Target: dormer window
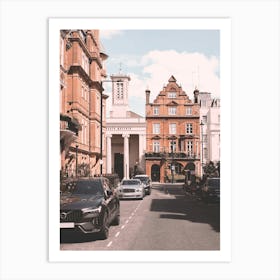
point(156, 110)
point(172, 94)
point(189, 111)
point(172, 111)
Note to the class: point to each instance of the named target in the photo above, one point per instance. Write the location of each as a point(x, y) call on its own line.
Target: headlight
point(91, 213)
point(138, 190)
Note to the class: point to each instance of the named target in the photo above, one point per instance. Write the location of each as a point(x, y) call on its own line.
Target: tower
point(119, 95)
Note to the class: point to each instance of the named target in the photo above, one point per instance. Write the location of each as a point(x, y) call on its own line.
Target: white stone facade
point(125, 132)
point(210, 117)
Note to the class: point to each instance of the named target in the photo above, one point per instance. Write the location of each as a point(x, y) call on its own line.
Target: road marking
point(117, 234)
point(126, 221)
point(130, 217)
point(109, 244)
point(123, 227)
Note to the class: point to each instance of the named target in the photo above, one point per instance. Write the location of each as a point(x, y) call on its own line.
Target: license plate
point(67, 225)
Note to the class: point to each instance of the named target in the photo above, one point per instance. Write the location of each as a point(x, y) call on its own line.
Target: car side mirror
point(109, 192)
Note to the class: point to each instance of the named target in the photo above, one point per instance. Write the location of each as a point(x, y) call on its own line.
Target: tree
point(212, 170)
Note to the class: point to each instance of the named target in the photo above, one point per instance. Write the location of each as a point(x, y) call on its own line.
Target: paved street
point(168, 219)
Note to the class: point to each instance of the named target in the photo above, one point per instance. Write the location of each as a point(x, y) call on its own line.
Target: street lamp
point(77, 146)
point(172, 164)
point(201, 125)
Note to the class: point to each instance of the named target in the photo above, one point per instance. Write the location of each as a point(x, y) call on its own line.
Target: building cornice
point(171, 117)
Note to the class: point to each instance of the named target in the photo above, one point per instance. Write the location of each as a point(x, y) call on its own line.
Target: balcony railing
point(69, 124)
point(178, 155)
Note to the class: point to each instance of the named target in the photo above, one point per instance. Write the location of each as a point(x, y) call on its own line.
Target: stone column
point(109, 154)
point(126, 156)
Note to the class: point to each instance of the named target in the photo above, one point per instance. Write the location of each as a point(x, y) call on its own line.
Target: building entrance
point(155, 173)
point(118, 164)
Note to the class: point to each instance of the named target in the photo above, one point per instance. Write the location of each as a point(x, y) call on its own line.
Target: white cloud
point(108, 34)
point(189, 69)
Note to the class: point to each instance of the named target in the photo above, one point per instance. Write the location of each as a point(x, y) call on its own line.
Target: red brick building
point(81, 71)
point(173, 134)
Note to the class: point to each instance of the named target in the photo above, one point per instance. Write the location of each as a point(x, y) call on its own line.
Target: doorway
point(155, 173)
point(118, 164)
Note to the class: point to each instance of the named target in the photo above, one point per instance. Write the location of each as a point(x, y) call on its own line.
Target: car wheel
point(117, 219)
point(104, 233)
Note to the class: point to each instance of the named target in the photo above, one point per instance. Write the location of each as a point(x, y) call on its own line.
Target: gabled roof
point(172, 79)
point(172, 103)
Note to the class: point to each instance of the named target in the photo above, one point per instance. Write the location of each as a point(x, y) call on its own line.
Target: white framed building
point(210, 130)
point(125, 132)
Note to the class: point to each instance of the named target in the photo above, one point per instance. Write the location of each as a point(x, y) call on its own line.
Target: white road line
point(109, 244)
point(130, 217)
point(123, 227)
point(117, 234)
point(126, 221)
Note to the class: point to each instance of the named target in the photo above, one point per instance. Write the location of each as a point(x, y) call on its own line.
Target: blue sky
point(150, 57)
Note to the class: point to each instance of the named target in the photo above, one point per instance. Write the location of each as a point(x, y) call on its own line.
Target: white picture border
point(24, 117)
point(221, 24)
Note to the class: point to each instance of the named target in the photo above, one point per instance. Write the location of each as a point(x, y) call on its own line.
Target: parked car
point(210, 192)
point(91, 207)
point(145, 179)
point(131, 188)
point(114, 180)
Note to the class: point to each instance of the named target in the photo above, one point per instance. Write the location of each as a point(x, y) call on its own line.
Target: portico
point(125, 149)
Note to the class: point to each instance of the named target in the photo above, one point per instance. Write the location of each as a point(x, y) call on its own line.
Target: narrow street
point(168, 219)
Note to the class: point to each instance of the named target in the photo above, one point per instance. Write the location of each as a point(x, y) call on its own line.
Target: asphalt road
point(168, 219)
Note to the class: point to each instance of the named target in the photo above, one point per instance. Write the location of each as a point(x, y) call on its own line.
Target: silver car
point(131, 188)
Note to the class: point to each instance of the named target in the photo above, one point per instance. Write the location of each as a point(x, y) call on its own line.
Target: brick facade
point(81, 72)
point(173, 134)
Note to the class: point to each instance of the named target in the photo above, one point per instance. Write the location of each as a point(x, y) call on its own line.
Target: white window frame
point(156, 128)
point(189, 128)
point(173, 143)
point(172, 128)
point(172, 111)
point(188, 110)
point(156, 147)
point(156, 110)
point(190, 147)
point(172, 94)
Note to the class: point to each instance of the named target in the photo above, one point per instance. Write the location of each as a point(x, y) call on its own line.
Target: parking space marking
point(110, 243)
point(122, 226)
point(117, 234)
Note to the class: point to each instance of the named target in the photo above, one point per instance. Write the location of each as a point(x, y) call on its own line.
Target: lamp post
point(201, 125)
point(172, 164)
point(77, 146)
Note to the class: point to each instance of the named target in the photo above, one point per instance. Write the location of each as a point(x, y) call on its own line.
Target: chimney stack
point(148, 92)
point(196, 94)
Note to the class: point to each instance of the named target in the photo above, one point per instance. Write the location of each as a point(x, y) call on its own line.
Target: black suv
point(91, 207)
point(210, 192)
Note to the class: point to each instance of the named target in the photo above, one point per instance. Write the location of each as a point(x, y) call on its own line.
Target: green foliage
point(211, 169)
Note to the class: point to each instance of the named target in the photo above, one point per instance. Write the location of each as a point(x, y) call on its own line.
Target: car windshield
point(214, 183)
point(130, 182)
point(88, 187)
point(142, 179)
